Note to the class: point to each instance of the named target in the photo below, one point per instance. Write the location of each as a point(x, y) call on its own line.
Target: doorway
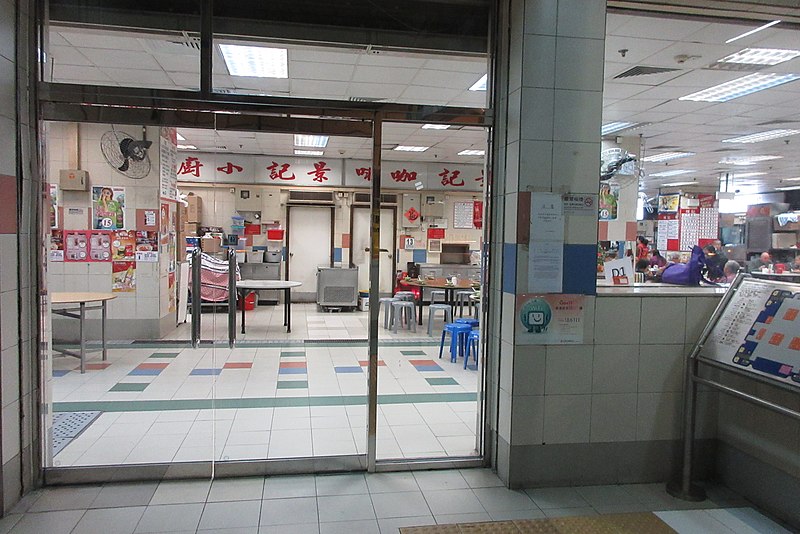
point(360, 247)
point(310, 246)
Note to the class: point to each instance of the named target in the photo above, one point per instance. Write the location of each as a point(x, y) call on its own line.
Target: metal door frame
point(98, 104)
point(394, 250)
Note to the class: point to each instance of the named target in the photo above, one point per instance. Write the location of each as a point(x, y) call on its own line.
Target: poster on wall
point(168, 146)
point(463, 215)
point(108, 205)
point(146, 246)
point(549, 319)
point(76, 246)
point(53, 206)
point(546, 247)
point(123, 276)
point(99, 246)
point(172, 292)
point(56, 246)
point(669, 203)
point(608, 201)
point(123, 245)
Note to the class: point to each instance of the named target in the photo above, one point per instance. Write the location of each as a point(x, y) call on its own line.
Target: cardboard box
point(210, 245)
point(194, 212)
point(190, 228)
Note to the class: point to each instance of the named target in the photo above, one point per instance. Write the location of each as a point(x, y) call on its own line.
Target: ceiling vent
point(641, 70)
point(364, 198)
point(364, 99)
point(185, 44)
point(311, 197)
point(735, 67)
point(727, 150)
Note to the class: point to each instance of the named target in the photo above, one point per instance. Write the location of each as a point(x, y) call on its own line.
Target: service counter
point(657, 289)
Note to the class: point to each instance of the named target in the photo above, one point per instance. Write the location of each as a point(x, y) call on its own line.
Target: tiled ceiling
point(686, 47)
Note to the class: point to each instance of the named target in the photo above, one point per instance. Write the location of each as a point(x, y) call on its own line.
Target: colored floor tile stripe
point(238, 365)
point(129, 387)
point(425, 368)
point(292, 371)
point(152, 366)
point(288, 365)
point(60, 372)
point(271, 402)
point(348, 369)
point(205, 372)
point(365, 363)
point(292, 354)
point(164, 355)
point(293, 384)
point(145, 372)
point(413, 353)
point(441, 381)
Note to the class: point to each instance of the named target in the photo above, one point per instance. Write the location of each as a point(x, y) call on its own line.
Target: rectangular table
point(82, 299)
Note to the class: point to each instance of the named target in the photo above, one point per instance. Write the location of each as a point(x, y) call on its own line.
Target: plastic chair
point(463, 297)
point(386, 303)
point(473, 323)
point(433, 308)
point(458, 339)
point(399, 309)
point(405, 295)
point(438, 293)
point(474, 342)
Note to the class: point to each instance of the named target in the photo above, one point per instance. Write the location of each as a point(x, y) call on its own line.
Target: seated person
point(714, 266)
point(674, 257)
point(795, 265)
point(757, 263)
point(731, 269)
point(657, 260)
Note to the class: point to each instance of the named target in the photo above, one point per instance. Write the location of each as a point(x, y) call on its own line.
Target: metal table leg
point(83, 337)
point(419, 315)
point(287, 310)
point(243, 299)
point(103, 331)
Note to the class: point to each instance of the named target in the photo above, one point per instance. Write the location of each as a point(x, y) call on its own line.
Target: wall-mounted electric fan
point(126, 154)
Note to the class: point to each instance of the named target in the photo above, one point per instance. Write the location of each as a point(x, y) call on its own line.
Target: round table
point(82, 299)
point(440, 283)
point(245, 287)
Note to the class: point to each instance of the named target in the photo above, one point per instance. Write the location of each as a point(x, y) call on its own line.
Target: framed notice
point(464, 215)
point(758, 330)
point(549, 319)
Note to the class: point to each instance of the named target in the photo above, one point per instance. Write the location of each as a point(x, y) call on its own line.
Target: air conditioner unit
point(311, 197)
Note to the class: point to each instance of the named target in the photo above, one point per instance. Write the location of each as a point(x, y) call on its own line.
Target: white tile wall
point(504, 415)
point(615, 369)
point(529, 370)
point(537, 158)
point(613, 417)
point(579, 64)
point(616, 320)
point(9, 371)
point(527, 420)
point(540, 61)
point(507, 365)
point(9, 323)
point(658, 416)
point(567, 418)
point(536, 114)
point(572, 163)
point(8, 263)
point(568, 369)
point(663, 319)
point(11, 438)
point(578, 112)
point(578, 18)
point(541, 16)
point(660, 368)
point(507, 326)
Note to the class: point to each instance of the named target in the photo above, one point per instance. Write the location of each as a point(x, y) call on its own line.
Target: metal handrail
point(196, 299)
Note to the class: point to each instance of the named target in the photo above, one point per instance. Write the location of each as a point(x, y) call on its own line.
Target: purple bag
point(686, 274)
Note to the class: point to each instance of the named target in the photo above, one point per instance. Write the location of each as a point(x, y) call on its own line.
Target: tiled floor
point(268, 398)
point(355, 503)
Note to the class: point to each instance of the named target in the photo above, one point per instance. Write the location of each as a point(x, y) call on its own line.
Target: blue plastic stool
point(474, 341)
point(458, 339)
point(466, 320)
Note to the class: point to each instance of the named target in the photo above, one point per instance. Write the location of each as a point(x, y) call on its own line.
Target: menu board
point(168, 177)
point(668, 231)
point(759, 330)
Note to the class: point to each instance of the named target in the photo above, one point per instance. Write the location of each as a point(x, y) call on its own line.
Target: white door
point(360, 250)
point(309, 248)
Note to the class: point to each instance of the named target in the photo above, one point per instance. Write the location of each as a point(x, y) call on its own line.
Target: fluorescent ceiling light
point(612, 127)
point(792, 188)
point(676, 184)
point(676, 172)
point(740, 87)
point(180, 137)
point(308, 152)
point(762, 136)
point(793, 179)
point(315, 141)
point(667, 156)
point(187, 147)
point(480, 85)
point(435, 126)
point(760, 56)
point(406, 148)
point(472, 153)
point(737, 176)
point(256, 61)
point(746, 160)
point(751, 32)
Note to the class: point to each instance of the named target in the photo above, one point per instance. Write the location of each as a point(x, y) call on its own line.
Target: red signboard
point(477, 214)
point(435, 233)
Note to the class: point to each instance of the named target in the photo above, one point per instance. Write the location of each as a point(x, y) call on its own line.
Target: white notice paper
point(546, 246)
